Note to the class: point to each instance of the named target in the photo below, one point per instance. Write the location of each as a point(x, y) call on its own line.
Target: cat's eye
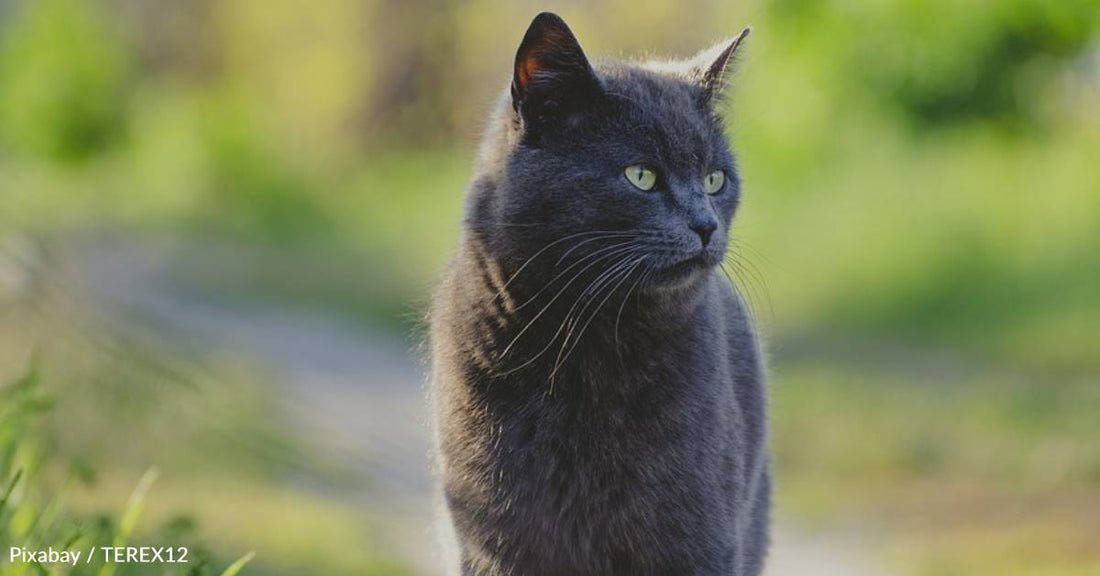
point(641, 177)
point(713, 182)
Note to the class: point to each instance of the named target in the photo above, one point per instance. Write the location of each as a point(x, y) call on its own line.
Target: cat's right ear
point(552, 74)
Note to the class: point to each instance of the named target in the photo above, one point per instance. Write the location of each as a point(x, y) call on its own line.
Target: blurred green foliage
point(945, 63)
point(955, 134)
point(65, 75)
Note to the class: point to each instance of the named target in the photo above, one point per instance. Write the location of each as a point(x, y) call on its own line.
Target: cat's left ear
point(712, 67)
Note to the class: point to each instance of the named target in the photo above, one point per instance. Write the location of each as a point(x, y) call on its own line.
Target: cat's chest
point(614, 473)
point(657, 428)
point(608, 413)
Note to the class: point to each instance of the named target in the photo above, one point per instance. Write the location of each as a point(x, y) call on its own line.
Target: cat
point(597, 385)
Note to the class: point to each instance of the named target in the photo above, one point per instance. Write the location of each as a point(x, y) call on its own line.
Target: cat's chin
point(682, 274)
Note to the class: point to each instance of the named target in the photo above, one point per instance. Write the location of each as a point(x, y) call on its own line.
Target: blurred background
point(220, 221)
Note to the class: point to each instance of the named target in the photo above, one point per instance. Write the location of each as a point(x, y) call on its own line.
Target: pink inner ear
point(527, 69)
point(550, 39)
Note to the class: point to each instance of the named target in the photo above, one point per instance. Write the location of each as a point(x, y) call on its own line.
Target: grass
point(292, 531)
point(110, 442)
point(36, 516)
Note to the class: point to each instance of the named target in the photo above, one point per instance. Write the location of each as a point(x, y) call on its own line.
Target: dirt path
point(357, 394)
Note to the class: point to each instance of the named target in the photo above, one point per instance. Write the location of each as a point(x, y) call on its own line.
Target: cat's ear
point(712, 67)
point(550, 68)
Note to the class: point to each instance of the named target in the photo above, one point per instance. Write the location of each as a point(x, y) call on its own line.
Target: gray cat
point(598, 390)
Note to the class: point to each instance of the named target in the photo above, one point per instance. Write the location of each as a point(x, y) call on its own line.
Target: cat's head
point(617, 162)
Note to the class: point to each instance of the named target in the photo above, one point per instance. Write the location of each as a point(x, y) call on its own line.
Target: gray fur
point(597, 385)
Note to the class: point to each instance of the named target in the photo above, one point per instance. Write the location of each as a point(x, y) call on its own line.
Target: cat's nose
point(705, 229)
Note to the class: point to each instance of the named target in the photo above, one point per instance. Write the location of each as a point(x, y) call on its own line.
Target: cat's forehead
point(663, 99)
point(652, 87)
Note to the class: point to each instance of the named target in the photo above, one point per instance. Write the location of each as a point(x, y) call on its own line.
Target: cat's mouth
point(682, 271)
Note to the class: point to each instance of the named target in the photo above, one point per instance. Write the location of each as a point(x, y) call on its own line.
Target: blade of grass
point(236, 567)
point(131, 514)
point(11, 488)
point(134, 506)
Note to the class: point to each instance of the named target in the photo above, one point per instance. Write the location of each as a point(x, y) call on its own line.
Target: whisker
point(582, 243)
point(561, 326)
point(594, 287)
point(756, 291)
point(598, 252)
point(558, 295)
point(572, 318)
point(645, 272)
point(741, 242)
point(751, 271)
point(737, 292)
point(595, 313)
point(745, 283)
point(609, 233)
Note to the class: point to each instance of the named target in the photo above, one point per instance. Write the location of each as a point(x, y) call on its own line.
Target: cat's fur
point(597, 385)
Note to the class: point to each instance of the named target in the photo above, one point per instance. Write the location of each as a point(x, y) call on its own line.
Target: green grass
point(84, 436)
point(34, 510)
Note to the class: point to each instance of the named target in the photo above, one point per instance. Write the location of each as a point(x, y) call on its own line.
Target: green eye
point(713, 182)
point(641, 177)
